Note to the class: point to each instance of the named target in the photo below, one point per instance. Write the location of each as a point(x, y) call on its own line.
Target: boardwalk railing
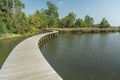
point(26, 62)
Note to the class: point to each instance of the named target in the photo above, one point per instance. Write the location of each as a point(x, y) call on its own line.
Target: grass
point(85, 30)
point(64, 30)
point(11, 35)
point(8, 35)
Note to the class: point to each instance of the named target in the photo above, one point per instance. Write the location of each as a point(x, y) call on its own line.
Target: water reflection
point(6, 46)
point(85, 56)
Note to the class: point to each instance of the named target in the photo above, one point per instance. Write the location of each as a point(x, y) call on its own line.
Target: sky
point(98, 9)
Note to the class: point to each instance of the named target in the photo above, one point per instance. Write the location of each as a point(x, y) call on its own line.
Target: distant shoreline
point(10, 35)
point(85, 30)
point(66, 30)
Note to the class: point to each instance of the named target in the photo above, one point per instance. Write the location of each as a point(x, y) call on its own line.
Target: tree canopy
point(89, 21)
point(104, 23)
point(7, 15)
point(14, 20)
point(79, 23)
point(69, 20)
point(51, 14)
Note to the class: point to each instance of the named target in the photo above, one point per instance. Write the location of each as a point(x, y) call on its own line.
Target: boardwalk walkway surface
point(26, 62)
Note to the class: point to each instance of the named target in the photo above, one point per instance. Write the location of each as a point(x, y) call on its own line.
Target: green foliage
point(18, 6)
point(5, 17)
point(3, 29)
point(20, 22)
point(104, 23)
point(13, 20)
point(79, 23)
point(6, 13)
point(52, 9)
point(51, 14)
point(35, 22)
point(69, 20)
point(89, 22)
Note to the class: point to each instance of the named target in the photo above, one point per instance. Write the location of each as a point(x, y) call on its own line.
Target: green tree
point(104, 24)
point(52, 9)
point(8, 9)
point(59, 23)
point(51, 14)
point(35, 22)
point(79, 23)
point(69, 20)
point(17, 6)
point(19, 18)
point(89, 21)
point(20, 22)
point(5, 17)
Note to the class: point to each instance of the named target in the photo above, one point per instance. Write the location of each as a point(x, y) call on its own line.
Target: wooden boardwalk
point(26, 62)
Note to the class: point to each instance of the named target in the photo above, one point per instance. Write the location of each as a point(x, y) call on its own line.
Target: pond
point(85, 56)
point(6, 46)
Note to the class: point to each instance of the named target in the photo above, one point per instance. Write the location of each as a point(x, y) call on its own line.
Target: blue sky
point(110, 9)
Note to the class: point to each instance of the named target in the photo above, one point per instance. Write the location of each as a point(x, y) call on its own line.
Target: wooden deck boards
point(26, 62)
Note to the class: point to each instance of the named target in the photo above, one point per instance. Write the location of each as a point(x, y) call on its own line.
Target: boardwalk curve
point(26, 62)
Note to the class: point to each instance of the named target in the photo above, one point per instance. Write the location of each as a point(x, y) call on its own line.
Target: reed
point(84, 30)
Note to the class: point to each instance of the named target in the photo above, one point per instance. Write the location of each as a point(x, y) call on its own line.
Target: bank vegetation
point(14, 22)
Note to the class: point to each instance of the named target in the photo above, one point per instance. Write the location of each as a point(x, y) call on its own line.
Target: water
point(6, 47)
point(85, 56)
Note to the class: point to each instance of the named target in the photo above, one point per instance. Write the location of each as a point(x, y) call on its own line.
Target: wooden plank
point(26, 62)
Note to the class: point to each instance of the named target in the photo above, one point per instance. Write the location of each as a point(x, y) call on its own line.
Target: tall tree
point(69, 20)
point(8, 10)
point(79, 23)
point(17, 6)
point(104, 23)
point(89, 21)
point(5, 16)
point(35, 22)
point(20, 22)
point(51, 14)
point(18, 17)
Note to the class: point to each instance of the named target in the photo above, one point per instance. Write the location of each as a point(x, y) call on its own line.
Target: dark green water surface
point(85, 56)
point(6, 46)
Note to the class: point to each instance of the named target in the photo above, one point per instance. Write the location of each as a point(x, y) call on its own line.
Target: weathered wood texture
point(26, 62)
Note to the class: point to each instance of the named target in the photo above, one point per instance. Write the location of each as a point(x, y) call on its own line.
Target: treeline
point(14, 20)
point(11, 16)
